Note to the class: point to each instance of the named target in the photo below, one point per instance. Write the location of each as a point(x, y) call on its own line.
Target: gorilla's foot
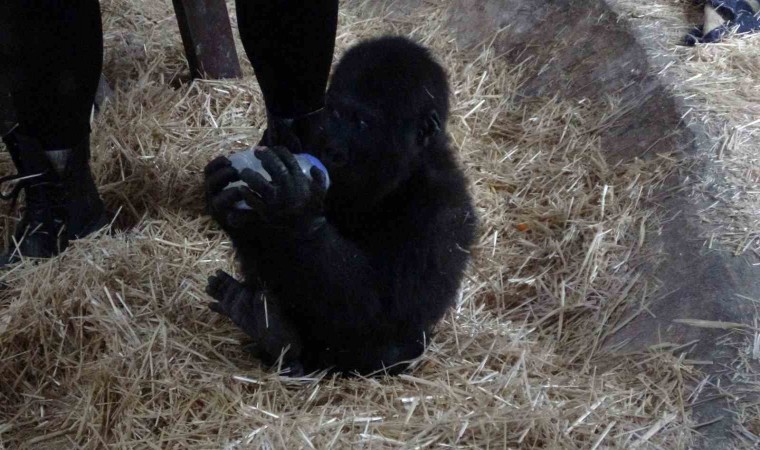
point(61, 200)
point(275, 340)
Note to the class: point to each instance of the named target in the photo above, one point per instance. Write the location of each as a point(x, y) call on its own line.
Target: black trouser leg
point(52, 51)
point(290, 44)
point(51, 55)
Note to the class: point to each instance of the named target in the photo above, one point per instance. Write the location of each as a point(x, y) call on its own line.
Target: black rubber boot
point(61, 200)
point(304, 134)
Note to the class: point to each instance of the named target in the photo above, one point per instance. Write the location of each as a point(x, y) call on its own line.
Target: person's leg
point(52, 51)
point(57, 50)
point(290, 44)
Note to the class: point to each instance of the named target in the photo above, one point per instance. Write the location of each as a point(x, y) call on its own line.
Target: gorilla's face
point(369, 151)
point(387, 106)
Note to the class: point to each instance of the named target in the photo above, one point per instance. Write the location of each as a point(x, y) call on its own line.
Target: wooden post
point(207, 37)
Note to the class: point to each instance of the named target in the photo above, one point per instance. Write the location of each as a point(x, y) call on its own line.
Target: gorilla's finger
point(259, 184)
point(318, 179)
point(288, 159)
point(217, 308)
point(224, 277)
point(216, 181)
point(230, 297)
point(218, 287)
point(213, 287)
point(228, 284)
point(274, 167)
point(226, 199)
point(216, 164)
point(240, 219)
point(252, 199)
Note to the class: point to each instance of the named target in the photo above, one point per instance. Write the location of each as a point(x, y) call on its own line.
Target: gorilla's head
point(387, 106)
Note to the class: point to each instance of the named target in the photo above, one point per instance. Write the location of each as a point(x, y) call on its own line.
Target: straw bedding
point(112, 345)
point(719, 84)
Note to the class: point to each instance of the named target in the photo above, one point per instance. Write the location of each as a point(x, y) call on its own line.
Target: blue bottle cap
point(318, 164)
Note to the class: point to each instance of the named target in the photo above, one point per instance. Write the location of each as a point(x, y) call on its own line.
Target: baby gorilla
point(352, 279)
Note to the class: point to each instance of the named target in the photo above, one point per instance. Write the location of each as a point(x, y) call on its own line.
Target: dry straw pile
point(723, 81)
point(720, 87)
point(111, 344)
point(720, 84)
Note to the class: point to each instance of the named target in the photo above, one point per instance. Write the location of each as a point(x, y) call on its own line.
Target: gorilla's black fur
point(355, 278)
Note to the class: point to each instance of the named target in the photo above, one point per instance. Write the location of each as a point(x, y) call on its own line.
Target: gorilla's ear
point(430, 126)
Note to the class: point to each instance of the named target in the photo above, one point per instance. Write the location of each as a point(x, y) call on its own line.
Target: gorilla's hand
point(234, 301)
point(221, 202)
point(291, 201)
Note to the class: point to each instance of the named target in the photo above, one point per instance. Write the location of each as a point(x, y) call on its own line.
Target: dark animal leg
point(273, 334)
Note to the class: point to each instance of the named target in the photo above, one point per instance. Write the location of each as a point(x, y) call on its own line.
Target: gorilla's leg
point(290, 44)
point(51, 54)
point(272, 332)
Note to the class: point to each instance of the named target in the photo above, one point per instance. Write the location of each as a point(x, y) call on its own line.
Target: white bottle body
point(247, 160)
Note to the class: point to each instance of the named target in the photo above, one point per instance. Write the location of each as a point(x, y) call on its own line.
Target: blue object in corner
point(738, 14)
